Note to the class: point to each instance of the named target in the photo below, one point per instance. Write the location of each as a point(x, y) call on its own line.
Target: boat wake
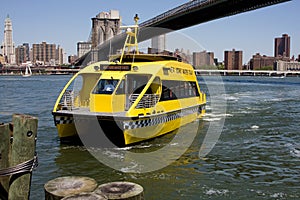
point(210, 117)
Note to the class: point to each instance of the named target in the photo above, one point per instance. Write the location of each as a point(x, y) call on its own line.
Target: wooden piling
point(121, 190)
point(66, 186)
point(17, 156)
point(85, 196)
point(5, 149)
point(23, 149)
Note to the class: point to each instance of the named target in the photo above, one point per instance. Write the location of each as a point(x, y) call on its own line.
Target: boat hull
point(122, 131)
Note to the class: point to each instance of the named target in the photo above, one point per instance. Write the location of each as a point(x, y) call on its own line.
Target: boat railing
point(147, 101)
point(67, 100)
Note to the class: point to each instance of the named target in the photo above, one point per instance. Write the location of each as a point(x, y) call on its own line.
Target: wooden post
point(85, 196)
point(23, 149)
point(4, 159)
point(70, 185)
point(121, 190)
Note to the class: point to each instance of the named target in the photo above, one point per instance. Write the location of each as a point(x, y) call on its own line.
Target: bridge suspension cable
point(178, 10)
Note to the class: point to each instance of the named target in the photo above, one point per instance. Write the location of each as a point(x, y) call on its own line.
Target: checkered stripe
point(188, 111)
point(63, 120)
point(127, 125)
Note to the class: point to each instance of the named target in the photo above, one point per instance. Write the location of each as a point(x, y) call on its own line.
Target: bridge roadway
point(186, 15)
point(200, 11)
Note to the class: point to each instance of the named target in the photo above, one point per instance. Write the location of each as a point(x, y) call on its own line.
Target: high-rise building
point(26, 46)
point(203, 59)
point(1, 60)
point(22, 53)
point(59, 56)
point(44, 53)
point(71, 59)
point(259, 62)
point(282, 46)
point(233, 60)
point(158, 43)
point(8, 48)
point(83, 48)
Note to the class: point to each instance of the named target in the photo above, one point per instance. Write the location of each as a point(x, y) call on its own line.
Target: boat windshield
point(105, 86)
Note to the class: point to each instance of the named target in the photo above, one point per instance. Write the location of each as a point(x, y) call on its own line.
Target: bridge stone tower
point(105, 26)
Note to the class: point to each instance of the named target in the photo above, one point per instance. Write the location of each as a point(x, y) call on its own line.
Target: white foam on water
point(275, 100)
point(112, 154)
point(213, 191)
point(211, 119)
point(231, 98)
point(80, 148)
point(217, 115)
point(143, 146)
point(130, 169)
point(124, 148)
point(293, 149)
point(254, 127)
point(278, 195)
point(237, 96)
point(250, 110)
point(295, 152)
point(208, 108)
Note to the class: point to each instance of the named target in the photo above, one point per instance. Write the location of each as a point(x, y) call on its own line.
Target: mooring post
point(81, 196)
point(121, 191)
point(5, 148)
point(61, 187)
point(22, 150)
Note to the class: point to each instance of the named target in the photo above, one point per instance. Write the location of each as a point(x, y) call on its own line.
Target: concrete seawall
point(200, 72)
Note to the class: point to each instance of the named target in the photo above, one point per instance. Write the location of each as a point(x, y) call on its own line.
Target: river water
point(257, 155)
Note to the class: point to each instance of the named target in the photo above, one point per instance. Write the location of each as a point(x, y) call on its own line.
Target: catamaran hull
point(95, 130)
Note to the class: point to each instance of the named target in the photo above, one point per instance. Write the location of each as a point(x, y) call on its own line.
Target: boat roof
point(127, 58)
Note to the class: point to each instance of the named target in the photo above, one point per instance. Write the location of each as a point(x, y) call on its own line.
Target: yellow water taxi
point(133, 97)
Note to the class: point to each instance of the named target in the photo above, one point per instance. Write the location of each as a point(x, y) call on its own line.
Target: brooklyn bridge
point(186, 15)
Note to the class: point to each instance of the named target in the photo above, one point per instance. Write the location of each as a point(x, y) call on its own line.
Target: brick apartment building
point(233, 60)
point(203, 58)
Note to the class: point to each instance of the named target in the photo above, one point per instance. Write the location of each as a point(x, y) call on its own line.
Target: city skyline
point(252, 32)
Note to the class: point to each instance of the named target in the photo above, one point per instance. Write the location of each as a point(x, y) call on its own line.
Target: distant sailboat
point(27, 71)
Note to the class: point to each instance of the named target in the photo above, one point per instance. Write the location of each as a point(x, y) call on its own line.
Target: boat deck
point(87, 112)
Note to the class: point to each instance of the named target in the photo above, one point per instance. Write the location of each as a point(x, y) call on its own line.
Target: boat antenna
point(131, 39)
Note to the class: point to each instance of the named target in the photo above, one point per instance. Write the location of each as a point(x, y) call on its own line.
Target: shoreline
point(58, 74)
point(198, 72)
point(270, 73)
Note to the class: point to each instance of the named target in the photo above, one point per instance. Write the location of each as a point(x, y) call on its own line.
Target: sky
point(66, 22)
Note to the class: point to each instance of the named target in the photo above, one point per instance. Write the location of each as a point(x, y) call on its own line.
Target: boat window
point(136, 83)
point(78, 83)
point(105, 86)
point(151, 96)
point(72, 92)
point(77, 93)
point(121, 88)
point(178, 89)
